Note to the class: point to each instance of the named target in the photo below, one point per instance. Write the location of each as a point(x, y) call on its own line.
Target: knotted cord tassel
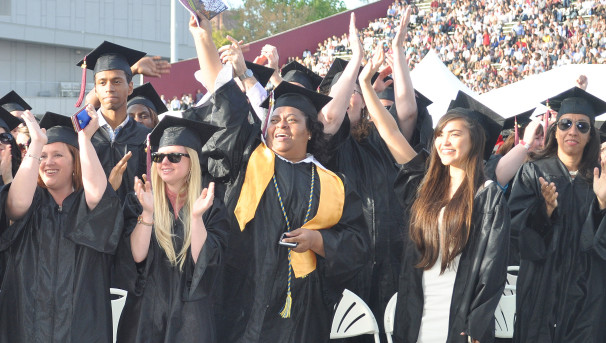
point(285, 313)
point(82, 85)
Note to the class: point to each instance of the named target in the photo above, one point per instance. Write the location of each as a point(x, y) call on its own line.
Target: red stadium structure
point(290, 43)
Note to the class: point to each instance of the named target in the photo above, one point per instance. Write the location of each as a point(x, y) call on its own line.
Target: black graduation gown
point(130, 138)
point(256, 268)
point(481, 271)
point(165, 304)
point(57, 269)
point(556, 289)
point(371, 169)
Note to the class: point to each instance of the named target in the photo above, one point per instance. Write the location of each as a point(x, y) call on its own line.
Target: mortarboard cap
point(288, 94)
point(13, 102)
point(147, 95)
point(333, 74)
point(178, 131)
point(8, 121)
point(422, 100)
point(261, 73)
point(522, 118)
point(387, 94)
point(59, 128)
point(471, 108)
point(601, 130)
point(576, 100)
point(296, 72)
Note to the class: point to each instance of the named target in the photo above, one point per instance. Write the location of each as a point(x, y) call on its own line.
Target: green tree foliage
point(262, 18)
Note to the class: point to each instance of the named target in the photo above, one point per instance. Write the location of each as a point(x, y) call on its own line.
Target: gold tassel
point(285, 313)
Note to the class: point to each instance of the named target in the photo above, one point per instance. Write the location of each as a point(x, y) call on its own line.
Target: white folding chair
point(353, 318)
point(505, 314)
point(388, 318)
point(117, 306)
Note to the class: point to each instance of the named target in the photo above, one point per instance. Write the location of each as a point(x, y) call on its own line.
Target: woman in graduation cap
point(270, 292)
point(61, 224)
point(456, 242)
point(144, 105)
point(560, 288)
point(174, 241)
point(10, 154)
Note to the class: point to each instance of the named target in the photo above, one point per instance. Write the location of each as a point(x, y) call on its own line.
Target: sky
point(349, 3)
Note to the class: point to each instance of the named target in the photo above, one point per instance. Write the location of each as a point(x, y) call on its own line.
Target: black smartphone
point(80, 119)
point(286, 244)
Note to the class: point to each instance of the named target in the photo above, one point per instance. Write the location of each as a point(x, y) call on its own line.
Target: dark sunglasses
point(6, 138)
point(173, 157)
point(582, 126)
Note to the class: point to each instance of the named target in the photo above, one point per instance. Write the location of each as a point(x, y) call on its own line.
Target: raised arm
point(208, 58)
point(232, 53)
point(333, 113)
point(386, 125)
point(406, 104)
point(21, 193)
point(508, 166)
point(198, 228)
point(93, 176)
point(141, 235)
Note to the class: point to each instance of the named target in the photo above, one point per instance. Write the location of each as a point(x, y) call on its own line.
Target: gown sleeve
point(409, 178)
point(346, 245)
point(201, 276)
point(10, 231)
point(101, 228)
point(493, 224)
point(593, 233)
point(531, 230)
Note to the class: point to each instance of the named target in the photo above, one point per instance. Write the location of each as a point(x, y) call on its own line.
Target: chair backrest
point(117, 306)
point(352, 318)
point(388, 318)
point(505, 314)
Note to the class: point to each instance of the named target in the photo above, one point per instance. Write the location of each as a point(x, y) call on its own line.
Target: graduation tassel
point(517, 135)
point(82, 85)
point(285, 313)
point(546, 122)
point(271, 105)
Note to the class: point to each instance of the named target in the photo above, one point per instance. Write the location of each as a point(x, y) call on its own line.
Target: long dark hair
point(591, 152)
point(319, 140)
point(433, 195)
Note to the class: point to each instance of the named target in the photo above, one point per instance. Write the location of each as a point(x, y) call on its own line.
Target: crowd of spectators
point(489, 43)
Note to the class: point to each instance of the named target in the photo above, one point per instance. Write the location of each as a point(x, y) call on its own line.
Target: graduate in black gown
point(470, 247)
point(173, 243)
point(61, 224)
point(10, 154)
point(144, 105)
point(560, 293)
point(118, 134)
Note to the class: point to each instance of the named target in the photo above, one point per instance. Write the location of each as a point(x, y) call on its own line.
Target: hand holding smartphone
point(80, 119)
point(286, 244)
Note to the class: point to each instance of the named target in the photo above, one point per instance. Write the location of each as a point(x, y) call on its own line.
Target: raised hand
point(144, 194)
point(205, 26)
point(582, 82)
point(550, 195)
point(151, 66)
point(233, 53)
point(93, 124)
point(204, 201)
point(355, 43)
point(35, 132)
point(115, 176)
point(532, 136)
point(400, 37)
point(373, 65)
point(599, 184)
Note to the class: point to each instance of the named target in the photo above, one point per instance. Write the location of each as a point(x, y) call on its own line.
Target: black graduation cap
point(59, 128)
point(147, 95)
point(178, 131)
point(422, 100)
point(334, 73)
point(473, 109)
point(387, 93)
point(576, 100)
point(296, 72)
point(601, 130)
point(522, 118)
point(287, 94)
point(13, 102)
point(7, 120)
point(261, 73)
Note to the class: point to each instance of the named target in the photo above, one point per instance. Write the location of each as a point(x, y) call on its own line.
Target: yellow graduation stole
point(258, 175)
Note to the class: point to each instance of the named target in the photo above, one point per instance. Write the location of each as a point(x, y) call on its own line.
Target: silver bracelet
point(39, 159)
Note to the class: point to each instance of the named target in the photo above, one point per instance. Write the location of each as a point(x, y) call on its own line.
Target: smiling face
point(453, 143)
point(287, 133)
point(173, 174)
point(112, 89)
point(572, 142)
point(56, 166)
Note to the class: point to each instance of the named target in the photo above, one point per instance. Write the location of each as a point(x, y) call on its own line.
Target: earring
point(309, 138)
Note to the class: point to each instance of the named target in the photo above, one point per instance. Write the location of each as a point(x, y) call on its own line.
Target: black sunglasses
point(173, 157)
point(582, 126)
point(6, 138)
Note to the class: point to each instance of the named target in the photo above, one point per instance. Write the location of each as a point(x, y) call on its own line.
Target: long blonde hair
point(164, 218)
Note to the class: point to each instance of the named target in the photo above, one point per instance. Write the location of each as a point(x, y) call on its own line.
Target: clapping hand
point(550, 195)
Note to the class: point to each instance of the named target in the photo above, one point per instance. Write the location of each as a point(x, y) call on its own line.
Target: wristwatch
point(247, 74)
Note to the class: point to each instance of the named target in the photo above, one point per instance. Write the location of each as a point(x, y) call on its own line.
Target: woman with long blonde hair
point(174, 239)
point(455, 254)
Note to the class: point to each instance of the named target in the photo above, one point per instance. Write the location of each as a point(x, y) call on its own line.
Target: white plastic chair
point(389, 317)
point(117, 306)
point(505, 314)
point(353, 318)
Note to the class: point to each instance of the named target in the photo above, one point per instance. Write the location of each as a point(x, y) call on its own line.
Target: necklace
point(285, 313)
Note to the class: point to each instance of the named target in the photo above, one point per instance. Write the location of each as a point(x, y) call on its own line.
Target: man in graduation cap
point(118, 134)
point(144, 105)
point(560, 294)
